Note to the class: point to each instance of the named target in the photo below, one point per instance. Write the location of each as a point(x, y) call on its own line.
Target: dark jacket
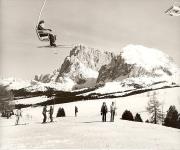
point(51, 110)
point(42, 29)
point(104, 109)
point(76, 109)
point(44, 110)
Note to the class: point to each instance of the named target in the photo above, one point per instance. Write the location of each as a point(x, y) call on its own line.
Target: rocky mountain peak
point(88, 57)
point(79, 68)
point(137, 61)
point(86, 67)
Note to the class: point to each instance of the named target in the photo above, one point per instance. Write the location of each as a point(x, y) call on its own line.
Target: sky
point(104, 24)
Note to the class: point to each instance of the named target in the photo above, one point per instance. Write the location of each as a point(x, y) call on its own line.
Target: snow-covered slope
point(87, 130)
point(148, 58)
point(16, 84)
point(88, 133)
point(135, 103)
point(13, 83)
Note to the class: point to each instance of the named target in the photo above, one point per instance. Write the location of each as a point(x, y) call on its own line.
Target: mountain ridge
point(86, 67)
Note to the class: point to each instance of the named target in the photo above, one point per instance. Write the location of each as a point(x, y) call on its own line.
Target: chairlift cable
point(40, 13)
point(37, 32)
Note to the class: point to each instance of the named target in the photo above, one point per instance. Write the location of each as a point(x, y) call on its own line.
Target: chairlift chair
point(41, 38)
point(38, 32)
point(174, 10)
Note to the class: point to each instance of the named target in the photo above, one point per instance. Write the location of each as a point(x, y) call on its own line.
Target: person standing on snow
point(104, 111)
point(112, 111)
point(76, 111)
point(51, 110)
point(18, 115)
point(44, 114)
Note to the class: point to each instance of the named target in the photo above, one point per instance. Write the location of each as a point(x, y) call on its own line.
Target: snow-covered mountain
point(137, 63)
point(80, 68)
point(13, 83)
point(136, 66)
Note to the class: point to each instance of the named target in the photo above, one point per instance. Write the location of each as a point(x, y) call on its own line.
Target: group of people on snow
point(104, 111)
point(50, 111)
point(44, 112)
point(19, 117)
point(18, 114)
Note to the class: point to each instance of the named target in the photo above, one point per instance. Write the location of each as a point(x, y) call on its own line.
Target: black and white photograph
point(90, 74)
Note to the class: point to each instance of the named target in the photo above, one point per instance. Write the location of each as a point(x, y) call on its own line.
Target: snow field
point(87, 130)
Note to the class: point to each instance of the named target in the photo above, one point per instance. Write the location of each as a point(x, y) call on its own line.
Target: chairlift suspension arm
point(40, 13)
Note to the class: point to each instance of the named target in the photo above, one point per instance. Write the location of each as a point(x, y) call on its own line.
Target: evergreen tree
point(61, 112)
point(127, 115)
point(138, 118)
point(147, 121)
point(154, 109)
point(178, 122)
point(6, 99)
point(171, 119)
point(49, 93)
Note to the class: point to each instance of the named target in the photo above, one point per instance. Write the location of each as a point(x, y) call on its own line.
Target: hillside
point(166, 96)
point(87, 130)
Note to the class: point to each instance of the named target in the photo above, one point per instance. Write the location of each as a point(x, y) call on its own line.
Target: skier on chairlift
point(46, 32)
